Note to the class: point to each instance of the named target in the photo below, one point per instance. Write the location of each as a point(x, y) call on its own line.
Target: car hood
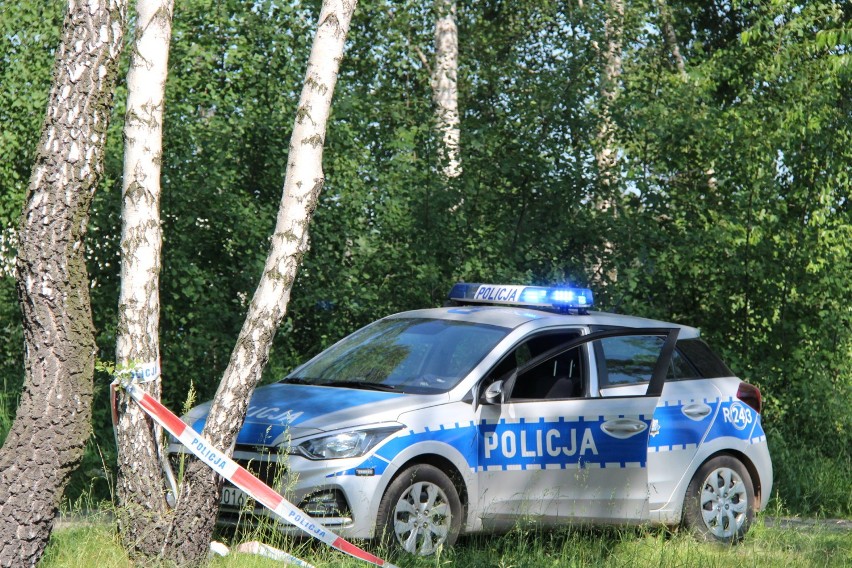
point(280, 411)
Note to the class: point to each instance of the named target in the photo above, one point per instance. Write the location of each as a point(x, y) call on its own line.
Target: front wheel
point(420, 511)
point(719, 500)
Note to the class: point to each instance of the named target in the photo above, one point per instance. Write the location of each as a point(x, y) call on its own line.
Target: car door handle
point(697, 411)
point(623, 428)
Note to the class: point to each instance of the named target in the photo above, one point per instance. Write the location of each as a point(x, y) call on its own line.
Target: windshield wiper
point(296, 381)
point(360, 385)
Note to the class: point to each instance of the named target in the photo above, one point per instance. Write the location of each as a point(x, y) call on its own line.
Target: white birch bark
point(141, 490)
point(445, 87)
point(606, 154)
point(198, 502)
point(671, 37)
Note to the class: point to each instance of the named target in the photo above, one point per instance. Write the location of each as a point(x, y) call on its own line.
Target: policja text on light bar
point(562, 298)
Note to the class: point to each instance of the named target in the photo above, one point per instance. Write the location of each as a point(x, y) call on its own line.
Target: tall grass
point(524, 547)
point(809, 483)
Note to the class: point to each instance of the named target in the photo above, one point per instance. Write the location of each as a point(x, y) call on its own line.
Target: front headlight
point(343, 445)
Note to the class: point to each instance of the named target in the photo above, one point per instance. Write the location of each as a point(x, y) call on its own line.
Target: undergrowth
point(526, 546)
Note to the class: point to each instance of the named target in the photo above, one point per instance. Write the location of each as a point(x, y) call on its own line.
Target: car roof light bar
point(559, 298)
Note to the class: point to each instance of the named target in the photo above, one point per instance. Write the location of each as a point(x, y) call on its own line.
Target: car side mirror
point(493, 393)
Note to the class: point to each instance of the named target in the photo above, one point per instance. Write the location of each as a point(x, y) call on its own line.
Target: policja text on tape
point(242, 478)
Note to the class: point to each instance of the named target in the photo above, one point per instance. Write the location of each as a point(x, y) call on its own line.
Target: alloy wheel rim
point(724, 503)
point(422, 518)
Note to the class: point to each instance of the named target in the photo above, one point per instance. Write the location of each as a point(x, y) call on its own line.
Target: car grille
point(261, 462)
point(329, 504)
point(269, 471)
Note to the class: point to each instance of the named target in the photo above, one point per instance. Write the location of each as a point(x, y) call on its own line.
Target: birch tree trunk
point(671, 37)
point(674, 48)
point(198, 503)
point(445, 87)
point(141, 490)
point(606, 154)
point(48, 436)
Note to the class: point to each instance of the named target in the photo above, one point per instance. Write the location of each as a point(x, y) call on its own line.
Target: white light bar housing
point(560, 298)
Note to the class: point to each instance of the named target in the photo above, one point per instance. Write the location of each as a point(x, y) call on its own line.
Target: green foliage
point(742, 170)
point(809, 481)
point(235, 68)
point(11, 354)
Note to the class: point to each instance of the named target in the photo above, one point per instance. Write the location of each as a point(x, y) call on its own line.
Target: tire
point(719, 503)
point(420, 511)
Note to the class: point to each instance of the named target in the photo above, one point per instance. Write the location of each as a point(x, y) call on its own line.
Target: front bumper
point(345, 503)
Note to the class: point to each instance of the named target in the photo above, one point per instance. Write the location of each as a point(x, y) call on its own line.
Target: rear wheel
point(719, 500)
point(420, 511)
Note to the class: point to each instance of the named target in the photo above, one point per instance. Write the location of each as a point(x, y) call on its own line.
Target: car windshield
point(425, 356)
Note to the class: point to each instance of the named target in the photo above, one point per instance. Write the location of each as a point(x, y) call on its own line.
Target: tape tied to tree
point(219, 462)
point(145, 373)
point(139, 373)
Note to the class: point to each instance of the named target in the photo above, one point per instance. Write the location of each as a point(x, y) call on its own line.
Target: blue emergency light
point(561, 298)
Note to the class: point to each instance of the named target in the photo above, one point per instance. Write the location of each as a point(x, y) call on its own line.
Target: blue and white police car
point(512, 402)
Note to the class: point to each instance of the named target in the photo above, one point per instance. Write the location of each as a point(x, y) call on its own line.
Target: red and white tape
point(242, 478)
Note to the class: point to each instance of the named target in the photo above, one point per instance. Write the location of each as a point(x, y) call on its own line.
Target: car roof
point(512, 317)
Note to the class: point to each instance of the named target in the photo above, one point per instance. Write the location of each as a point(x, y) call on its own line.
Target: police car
point(510, 403)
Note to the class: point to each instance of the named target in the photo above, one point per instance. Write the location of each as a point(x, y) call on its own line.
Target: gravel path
point(833, 525)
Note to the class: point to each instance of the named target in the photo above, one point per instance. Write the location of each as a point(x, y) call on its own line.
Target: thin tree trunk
point(198, 502)
point(606, 153)
point(674, 48)
point(141, 491)
point(671, 37)
point(48, 436)
point(445, 87)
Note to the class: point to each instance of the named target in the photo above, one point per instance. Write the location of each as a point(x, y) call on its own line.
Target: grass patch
point(524, 547)
point(810, 483)
point(85, 545)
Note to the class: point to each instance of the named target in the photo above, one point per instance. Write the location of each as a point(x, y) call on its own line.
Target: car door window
point(558, 377)
point(540, 381)
point(628, 360)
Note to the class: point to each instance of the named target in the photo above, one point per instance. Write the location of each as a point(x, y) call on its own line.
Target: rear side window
point(680, 368)
point(703, 359)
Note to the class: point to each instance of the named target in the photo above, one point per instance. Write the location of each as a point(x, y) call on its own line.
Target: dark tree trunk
point(48, 436)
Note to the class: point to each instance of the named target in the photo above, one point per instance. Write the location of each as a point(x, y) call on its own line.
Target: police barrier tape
point(242, 478)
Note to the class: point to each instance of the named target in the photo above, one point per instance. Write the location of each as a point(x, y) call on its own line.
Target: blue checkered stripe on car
point(509, 445)
point(459, 435)
point(576, 442)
